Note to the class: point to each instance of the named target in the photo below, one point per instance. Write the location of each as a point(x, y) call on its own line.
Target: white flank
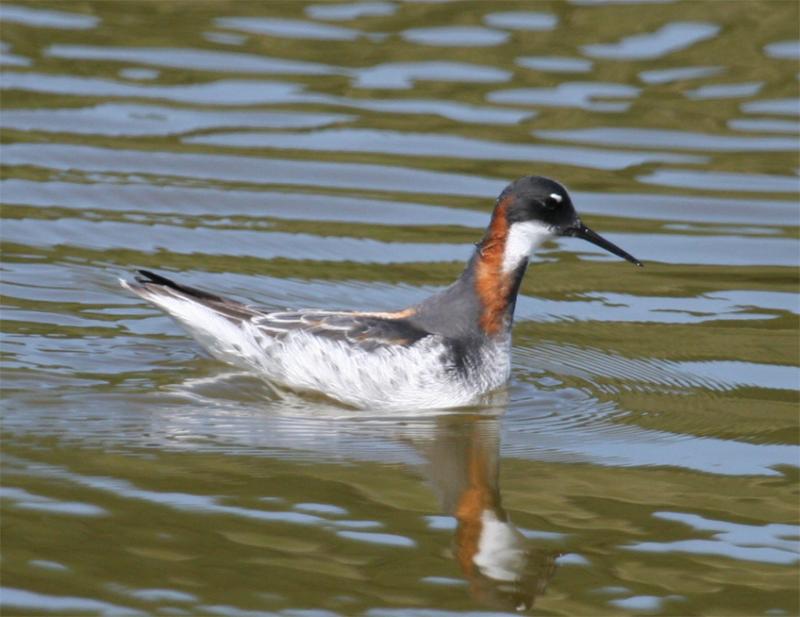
point(523, 239)
point(392, 377)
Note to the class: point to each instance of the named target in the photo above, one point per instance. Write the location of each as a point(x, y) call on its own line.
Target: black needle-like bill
point(582, 231)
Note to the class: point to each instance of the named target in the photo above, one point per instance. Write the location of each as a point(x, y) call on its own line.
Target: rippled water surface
point(643, 459)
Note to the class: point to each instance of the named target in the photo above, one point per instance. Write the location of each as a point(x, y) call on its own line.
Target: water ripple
point(197, 59)
point(428, 145)
point(346, 12)
point(672, 140)
point(121, 119)
point(456, 36)
point(532, 21)
point(247, 169)
point(572, 94)
point(287, 28)
point(723, 181)
point(758, 543)
point(668, 39)
point(45, 18)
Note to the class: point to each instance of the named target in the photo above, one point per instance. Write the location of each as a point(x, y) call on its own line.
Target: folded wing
point(365, 330)
point(368, 331)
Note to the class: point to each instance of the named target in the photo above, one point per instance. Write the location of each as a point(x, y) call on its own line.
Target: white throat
point(523, 239)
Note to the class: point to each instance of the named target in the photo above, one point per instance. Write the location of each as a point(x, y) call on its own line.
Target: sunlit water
point(643, 459)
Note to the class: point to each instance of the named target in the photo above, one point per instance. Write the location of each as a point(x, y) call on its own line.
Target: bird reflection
point(462, 464)
point(461, 460)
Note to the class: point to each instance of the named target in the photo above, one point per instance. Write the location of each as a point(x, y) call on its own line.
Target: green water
point(643, 459)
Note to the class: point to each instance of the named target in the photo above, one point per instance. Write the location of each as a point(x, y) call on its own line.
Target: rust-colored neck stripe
point(493, 286)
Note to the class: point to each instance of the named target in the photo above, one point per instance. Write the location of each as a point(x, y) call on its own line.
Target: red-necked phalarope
point(444, 352)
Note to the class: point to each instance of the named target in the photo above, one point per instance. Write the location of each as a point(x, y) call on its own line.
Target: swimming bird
point(447, 351)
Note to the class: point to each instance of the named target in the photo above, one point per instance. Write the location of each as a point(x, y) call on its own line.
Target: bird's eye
point(553, 201)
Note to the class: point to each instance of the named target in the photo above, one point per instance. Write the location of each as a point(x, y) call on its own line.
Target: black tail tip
point(145, 276)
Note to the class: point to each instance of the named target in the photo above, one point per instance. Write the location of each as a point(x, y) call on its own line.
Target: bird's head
point(534, 209)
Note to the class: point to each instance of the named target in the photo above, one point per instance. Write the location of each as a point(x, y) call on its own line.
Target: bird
point(445, 352)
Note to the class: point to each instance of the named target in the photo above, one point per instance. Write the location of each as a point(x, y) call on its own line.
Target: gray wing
point(365, 330)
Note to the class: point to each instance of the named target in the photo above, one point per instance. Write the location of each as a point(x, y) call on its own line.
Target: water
point(643, 459)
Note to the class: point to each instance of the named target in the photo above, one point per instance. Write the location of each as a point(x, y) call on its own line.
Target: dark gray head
point(543, 206)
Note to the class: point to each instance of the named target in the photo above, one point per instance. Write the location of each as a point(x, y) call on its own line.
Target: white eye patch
point(556, 197)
